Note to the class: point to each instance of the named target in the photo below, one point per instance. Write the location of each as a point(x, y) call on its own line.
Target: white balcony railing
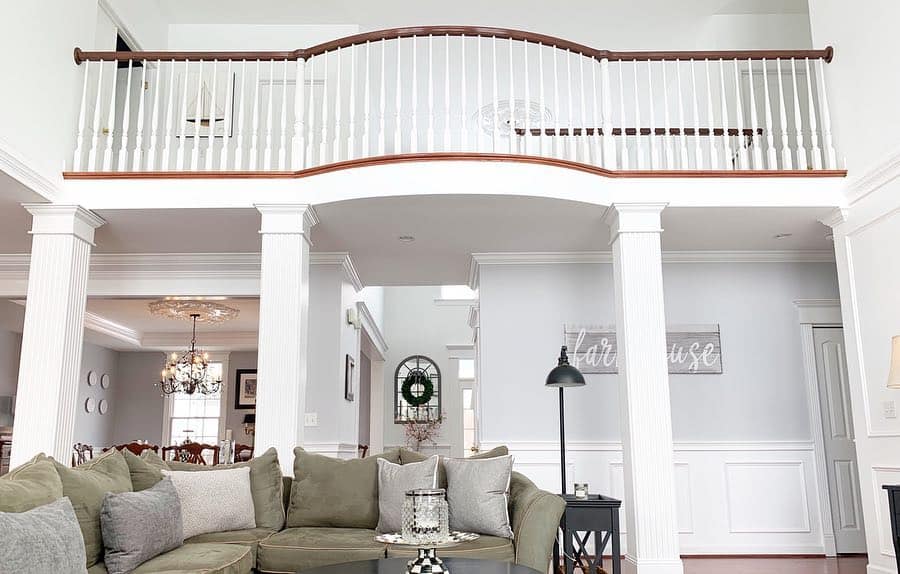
point(442, 90)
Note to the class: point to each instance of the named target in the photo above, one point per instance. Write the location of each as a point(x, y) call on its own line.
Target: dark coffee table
point(398, 566)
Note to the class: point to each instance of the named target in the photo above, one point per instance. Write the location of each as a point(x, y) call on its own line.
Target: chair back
point(363, 450)
point(242, 452)
point(134, 447)
point(82, 453)
point(191, 453)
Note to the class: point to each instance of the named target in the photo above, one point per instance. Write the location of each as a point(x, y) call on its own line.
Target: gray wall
point(10, 348)
point(760, 395)
point(93, 428)
point(234, 419)
point(139, 414)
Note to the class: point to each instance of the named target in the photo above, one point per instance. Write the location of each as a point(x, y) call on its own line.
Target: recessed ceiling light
point(406, 239)
point(782, 235)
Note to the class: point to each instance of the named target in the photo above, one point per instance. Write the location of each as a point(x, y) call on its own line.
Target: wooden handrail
point(474, 31)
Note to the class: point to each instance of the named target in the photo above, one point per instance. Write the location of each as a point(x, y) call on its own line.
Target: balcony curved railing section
point(453, 91)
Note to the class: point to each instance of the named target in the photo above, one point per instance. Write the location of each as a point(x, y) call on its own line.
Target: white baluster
point(494, 73)
point(111, 119)
point(311, 114)
point(464, 98)
point(398, 102)
point(711, 121)
point(414, 129)
point(512, 100)
point(585, 138)
point(447, 140)
point(154, 118)
point(198, 116)
point(654, 150)
point(254, 128)
point(527, 103)
point(430, 134)
point(683, 125)
point(229, 118)
point(381, 134)
point(323, 143)
point(351, 140)
point(813, 126)
point(479, 99)
point(743, 158)
point(170, 118)
point(771, 154)
point(595, 115)
point(541, 120)
point(755, 143)
point(338, 104)
point(798, 121)
point(726, 134)
point(366, 103)
point(82, 111)
point(557, 136)
point(138, 157)
point(830, 154)
point(95, 137)
point(787, 164)
point(637, 121)
point(267, 152)
point(239, 143)
point(282, 151)
point(609, 141)
point(210, 140)
point(570, 139)
point(623, 136)
point(667, 124)
point(695, 96)
point(126, 113)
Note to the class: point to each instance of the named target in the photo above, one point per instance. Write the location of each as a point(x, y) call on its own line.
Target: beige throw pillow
point(214, 501)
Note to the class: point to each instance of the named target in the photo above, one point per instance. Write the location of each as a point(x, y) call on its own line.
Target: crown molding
point(19, 168)
point(880, 174)
point(343, 259)
point(104, 326)
point(371, 328)
point(837, 216)
point(210, 341)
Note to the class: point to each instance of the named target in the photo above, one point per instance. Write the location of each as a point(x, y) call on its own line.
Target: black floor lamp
point(562, 376)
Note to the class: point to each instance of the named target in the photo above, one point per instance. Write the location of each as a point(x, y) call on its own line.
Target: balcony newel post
point(298, 141)
point(609, 144)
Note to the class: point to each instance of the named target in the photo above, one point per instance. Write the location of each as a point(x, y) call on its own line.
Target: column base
point(632, 565)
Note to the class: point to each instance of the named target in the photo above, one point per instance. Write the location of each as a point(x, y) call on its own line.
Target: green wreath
point(417, 378)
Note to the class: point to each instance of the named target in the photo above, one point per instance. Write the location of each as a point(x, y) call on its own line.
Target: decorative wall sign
point(349, 366)
point(245, 389)
point(692, 349)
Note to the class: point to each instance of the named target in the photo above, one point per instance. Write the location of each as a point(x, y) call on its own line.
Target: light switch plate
point(311, 420)
point(889, 409)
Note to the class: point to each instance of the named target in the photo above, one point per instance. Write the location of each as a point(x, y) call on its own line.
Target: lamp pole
point(562, 439)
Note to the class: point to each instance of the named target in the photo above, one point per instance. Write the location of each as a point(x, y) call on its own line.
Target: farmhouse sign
point(691, 349)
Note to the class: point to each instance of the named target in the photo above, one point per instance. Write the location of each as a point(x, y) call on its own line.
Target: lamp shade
point(250, 419)
point(894, 376)
point(564, 374)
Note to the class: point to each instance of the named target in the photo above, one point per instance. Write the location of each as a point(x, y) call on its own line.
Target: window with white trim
point(197, 417)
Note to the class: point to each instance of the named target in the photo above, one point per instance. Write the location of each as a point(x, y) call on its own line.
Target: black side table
point(893, 492)
point(597, 515)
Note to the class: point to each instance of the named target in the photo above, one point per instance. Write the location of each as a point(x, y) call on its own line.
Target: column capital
point(287, 218)
point(633, 218)
point(54, 219)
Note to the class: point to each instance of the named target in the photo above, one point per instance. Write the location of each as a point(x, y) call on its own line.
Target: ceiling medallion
point(537, 116)
point(185, 309)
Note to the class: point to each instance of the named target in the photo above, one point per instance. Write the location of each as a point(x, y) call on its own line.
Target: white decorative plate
point(104, 381)
point(456, 537)
point(89, 405)
point(102, 406)
point(92, 378)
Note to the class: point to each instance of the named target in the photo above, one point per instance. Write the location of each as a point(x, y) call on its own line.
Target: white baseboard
point(874, 569)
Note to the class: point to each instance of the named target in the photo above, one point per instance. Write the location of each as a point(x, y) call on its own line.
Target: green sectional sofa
point(285, 539)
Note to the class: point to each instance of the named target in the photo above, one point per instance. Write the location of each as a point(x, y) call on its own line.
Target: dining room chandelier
point(189, 372)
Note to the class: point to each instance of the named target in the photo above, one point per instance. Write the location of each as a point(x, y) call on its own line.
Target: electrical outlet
point(889, 409)
point(311, 420)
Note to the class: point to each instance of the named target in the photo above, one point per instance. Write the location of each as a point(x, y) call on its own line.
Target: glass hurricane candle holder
point(425, 517)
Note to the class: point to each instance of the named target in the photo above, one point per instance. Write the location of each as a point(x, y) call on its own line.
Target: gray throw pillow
point(478, 495)
point(393, 482)
point(41, 540)
point(137, 526)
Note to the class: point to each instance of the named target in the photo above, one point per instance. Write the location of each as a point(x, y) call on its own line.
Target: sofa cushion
point(145, 471)
point(407, 456)
point(478, 495)
point(214, 501)
point(85, 486)
point(330, 492)
point(301, 548)
point(195, 559)
point(249, 538)
point(30, 485)
point(41, 540)
point(394, 481)
point(265, 485)
point(482, 548)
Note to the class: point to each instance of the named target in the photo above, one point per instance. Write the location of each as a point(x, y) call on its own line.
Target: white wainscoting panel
point(882, 475)
point(731, 497)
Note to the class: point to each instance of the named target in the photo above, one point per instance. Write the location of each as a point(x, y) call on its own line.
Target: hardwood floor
point(843, 565)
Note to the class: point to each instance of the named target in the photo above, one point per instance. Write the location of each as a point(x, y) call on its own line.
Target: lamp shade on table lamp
point(894, 376)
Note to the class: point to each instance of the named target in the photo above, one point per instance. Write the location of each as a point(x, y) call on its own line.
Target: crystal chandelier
point(189, 373)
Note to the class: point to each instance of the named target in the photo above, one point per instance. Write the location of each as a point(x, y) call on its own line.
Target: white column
point(644, 390)
point(62, 236)
point(283, 327)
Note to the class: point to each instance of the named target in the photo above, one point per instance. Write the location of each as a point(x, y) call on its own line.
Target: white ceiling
point(133, 313)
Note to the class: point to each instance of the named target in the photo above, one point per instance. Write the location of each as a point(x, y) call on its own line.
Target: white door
point(840, 448)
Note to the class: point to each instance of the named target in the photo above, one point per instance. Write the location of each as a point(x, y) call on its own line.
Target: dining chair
point(134, 447)
point(82, 453)
point(191, 452)
point(242, 452)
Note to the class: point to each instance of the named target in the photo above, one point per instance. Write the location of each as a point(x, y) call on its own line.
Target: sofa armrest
point(535, 516)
